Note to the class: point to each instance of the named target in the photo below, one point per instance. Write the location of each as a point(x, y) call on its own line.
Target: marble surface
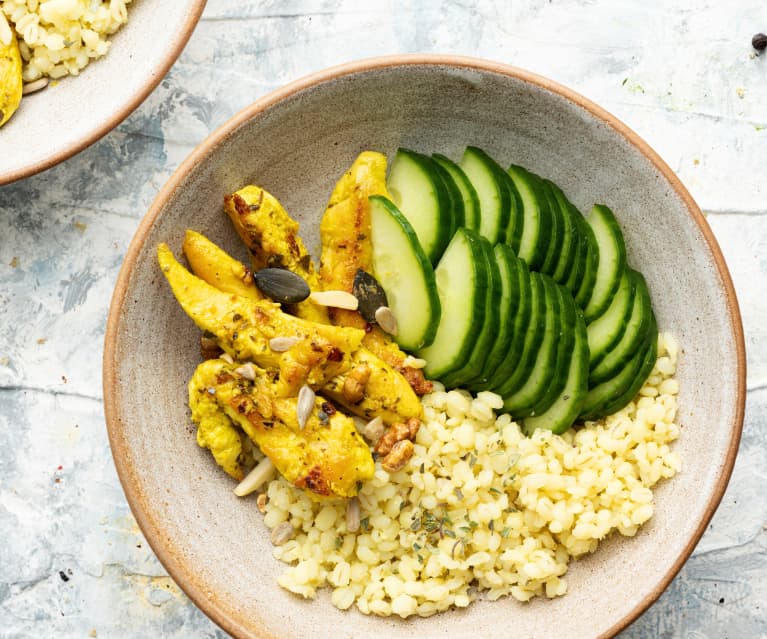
point(682, 74)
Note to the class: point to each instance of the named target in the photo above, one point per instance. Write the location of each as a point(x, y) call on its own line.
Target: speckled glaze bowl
point(71, 114)
point(295, 142)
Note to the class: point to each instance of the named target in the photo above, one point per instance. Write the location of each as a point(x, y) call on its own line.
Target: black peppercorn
point(759, 42)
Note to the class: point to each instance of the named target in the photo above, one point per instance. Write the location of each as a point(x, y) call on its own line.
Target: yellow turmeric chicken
point(326, 456)
point(10, 72)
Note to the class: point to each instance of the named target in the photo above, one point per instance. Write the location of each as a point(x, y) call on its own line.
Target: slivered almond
point(256, 478)
point(304, 405)
point(336, 299)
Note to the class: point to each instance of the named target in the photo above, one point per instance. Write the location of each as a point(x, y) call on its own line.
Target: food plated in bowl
point(63, 55)
point(308, 135)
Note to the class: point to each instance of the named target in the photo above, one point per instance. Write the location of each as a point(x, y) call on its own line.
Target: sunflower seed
point(413, 362)
point(336, 299)
point(353, 515)
point(305, 405)
point(6, 35)
point(33, 87)
point(373, 430)
point(256, 478)
point(386, 320)
point(227, 358)
point(282, 285)
point(248, 371)
point(369, 293)
point(282, 344)
point(282, 533)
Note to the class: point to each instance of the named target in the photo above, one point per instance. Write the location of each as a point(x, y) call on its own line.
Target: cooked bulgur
point(480, 509)
point(60, 37)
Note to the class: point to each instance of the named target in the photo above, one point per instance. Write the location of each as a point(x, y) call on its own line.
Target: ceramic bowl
point(295, 142)
point(71, 114)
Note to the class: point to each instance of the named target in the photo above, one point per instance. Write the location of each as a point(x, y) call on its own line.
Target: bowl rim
point(159, 72)
point(181, 573)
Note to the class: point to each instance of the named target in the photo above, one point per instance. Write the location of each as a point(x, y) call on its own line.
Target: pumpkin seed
point(261, 473)
point(336, 299)
point(282, 533)
point(369, 293)
point(353, 515)
point(386, 320)
point(304, 405)
point(281, 285)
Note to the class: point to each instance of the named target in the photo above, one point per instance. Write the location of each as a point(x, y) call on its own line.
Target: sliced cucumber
point(532, 341)
point(606, 331)
point(521, 325)
point(570, 235)
point(563, 412)
point(405, 274)
point(588, 277)
point(462, 279)
point(648, 362)
point(522, 401)
point(585, 250)
point(492, 191)
point(455, 196)
point(489, 328)
point(556, 226)
point(420, 194)
point(636, 330)
point(536, 226)
point(601, 399)
point(468, 194)
point(611, 262)
point(508, 304)
point(568, 312)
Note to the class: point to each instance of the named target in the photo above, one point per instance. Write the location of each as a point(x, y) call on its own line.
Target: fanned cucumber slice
point(638, 325)
point(420, 194)
point(564, 411)
point(588, 274)
point(523, 400)
point(603, 399)
point(536, 227)
point(488, 330)
point(611, 262)
point(648, 362)
point(557, 227)
point(533, 339)
point(405, 273)
point(462, 279)
point(607, 330)
point(493, 193)
point(521, 320)
point(508, 304)
point(456, 217)
point(570, 235)
point(468, 194)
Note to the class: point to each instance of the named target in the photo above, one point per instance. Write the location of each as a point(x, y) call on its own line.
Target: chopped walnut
point(354, 384)
point(397, 433)
point(399, 455)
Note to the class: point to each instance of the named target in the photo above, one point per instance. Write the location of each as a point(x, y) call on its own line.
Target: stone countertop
point(682, 74)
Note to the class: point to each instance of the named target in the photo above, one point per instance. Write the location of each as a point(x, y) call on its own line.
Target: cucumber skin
point(582, 290)
point(474, 367)
point(571, 236)
point(468, 194)
point(554, 252)
point(597, 352)
point(478, 305)
point(457, 216)
point(595, 307)
point(430, 285)
point(442, 235)
point(563, 413)
point(504, 196)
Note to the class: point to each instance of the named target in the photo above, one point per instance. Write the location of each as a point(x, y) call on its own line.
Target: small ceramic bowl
point(295, 142)
point(72, 113)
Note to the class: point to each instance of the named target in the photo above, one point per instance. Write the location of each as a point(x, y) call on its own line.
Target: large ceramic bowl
point(296, 142)
point(71, 114)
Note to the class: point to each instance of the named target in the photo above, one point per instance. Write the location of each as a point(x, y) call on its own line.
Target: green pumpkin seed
point(281, 285)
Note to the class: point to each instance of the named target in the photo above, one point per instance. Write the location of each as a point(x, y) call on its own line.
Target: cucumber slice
point(564, 352)
point(489, 327)
point(602, 399)
point(532, 341)
point(648, 362)
point(492, 191)
point(570, 236)
point(554, 250)
point(462, 279)
point(606, 331)
point(585, 250)
point(508, 304)
point(468, 194)
point(536, 226)
point(588, 277)
point(405, 273)
point(521, 325)
point(636, 330)
point(457, 217)
point(420, 194)
point(522, 401)
point(611, 262)
point(563, 412)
